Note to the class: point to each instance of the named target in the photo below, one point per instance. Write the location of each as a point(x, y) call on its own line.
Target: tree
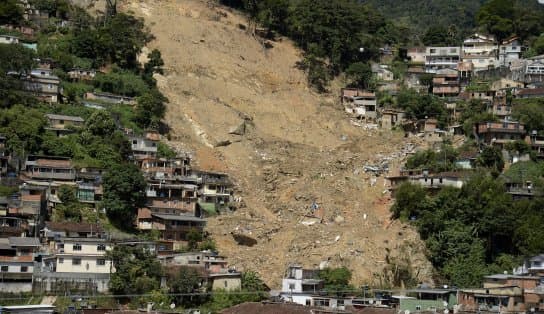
point(150, 109)
point(360, 74)
point(136, 270)
point(155, 63)
point(100, 124)
point(193, 238)
point(410, 200)
point(491, 157)
point(69, 209)
point(336, 279)
point(124, 192)
point(15, 57)
point(185, 280)
point(10, 12)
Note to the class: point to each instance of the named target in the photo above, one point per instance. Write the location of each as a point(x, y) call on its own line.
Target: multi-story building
point(499, 133)
point(145, 146)
point(300, 285)
point(76, 264)
point(49, 168)
point(437, 58)
point(43, 84)
point(215, 190)
point(17, 263)
point(446, 83)
point(62, 124)
point(509, 50)
point(481, 50)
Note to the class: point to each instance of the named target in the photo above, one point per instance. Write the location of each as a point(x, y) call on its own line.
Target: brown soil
point(298, 147)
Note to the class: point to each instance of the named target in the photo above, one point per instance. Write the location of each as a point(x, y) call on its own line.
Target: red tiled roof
point(25, 258)
point(72, 226)
point(31, 197)
point(268, 308)
point(531, 91)
point(144, 213)
point(54, 163)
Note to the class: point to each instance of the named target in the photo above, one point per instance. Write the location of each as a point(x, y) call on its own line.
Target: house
point(174, 228)
point(413, 78)
point(499, 133)
point(363, 106)
point(56, 230)
point(529, 93)
point(467, 159)
point(535, 66)
point(429, 181)
point(299, 285)
point(481, 50)
point(437, 58)
point(43, 84)
point(82, 255)
point(13, 226)
point(505, 280)
point(536, 142)
point(501, 106)
point(81, 74)
point(89, 185)
point(480, 45)
point(109, 98)
point(7, 39)
point(446, 83)
point(391, 118)
point(215, 191)
point(466, 71)
point(498, 300)
point(510, 49)
point(145, 146)
point(77, 264)
point(17, 263)
point(62, 125)
point(382, 72)
point(50, 168)
point(432, 300)
point(217, 274)
point(416, 55)
point(504, 83)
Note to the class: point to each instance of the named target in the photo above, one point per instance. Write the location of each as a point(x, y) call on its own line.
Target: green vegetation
point(334, 34)
point(441, 161)
point(124, 187)
point(337, 280)
point(475, 230)
point(137, 270)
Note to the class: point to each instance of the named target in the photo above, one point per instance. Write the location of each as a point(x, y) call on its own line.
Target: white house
point(300, 285)
point(437, 58)
point(509, 50)
point(7, 39)
point(83, 255)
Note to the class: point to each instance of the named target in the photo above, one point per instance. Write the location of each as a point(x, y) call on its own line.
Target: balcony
point(52, 175)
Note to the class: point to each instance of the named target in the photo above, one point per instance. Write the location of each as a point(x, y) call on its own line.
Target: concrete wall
point(88, 264)
point(15, 287)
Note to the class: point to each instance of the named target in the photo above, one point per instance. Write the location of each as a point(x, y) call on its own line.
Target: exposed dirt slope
point(297, 147)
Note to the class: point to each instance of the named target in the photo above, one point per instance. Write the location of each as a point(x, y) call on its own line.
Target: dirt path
point(297, 147)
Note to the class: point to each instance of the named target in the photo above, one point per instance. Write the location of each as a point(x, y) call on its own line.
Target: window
point(24, 269)
point(100, 262)
point(308, 302)
point(226, 283)
point(61, 260)
point(433, 50)
point(291, 286)
point(77, 247)
point(76, 261)
point(101, 247)
point(61, 121)
point(418, 307)
point(4, 269)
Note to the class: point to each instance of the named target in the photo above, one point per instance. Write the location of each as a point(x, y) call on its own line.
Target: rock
point(222, 143)
point(323, 265)
point(337, 238)
point(239, 130)
point(242, 239)
point(339, 219)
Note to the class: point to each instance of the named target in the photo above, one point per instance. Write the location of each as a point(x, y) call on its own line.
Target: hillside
point(292, 147)
point(418, 15)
